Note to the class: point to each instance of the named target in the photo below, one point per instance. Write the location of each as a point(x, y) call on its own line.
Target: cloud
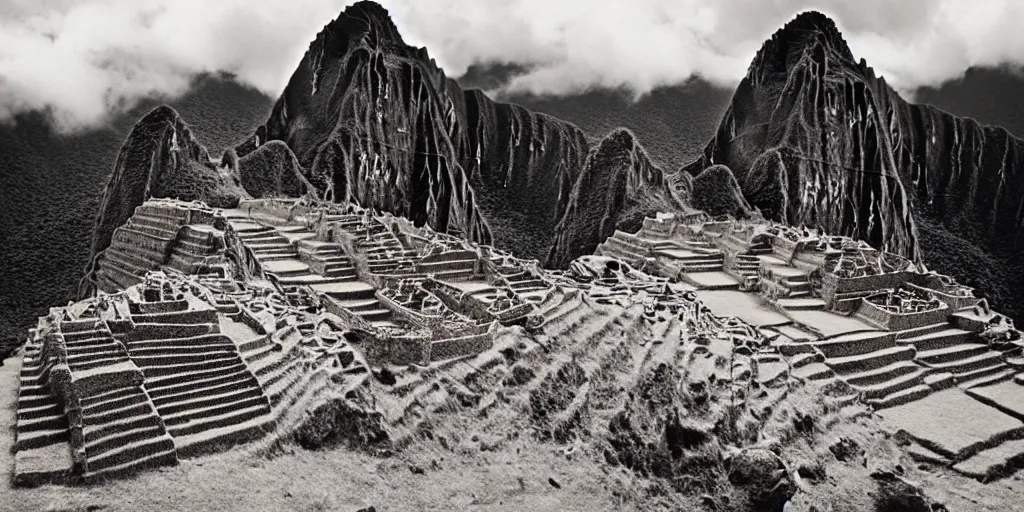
point(83, 60)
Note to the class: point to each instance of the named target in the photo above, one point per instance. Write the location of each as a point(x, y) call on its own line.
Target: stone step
point(99, 445)
point(883, 374)
point(261, 246)
point(158, 384)
point(855, 343)
point(49, 409)
point(157, 221)
point(81, 366)
point(221, 416)
point(984, 376)
point(239, 401)
point(259, 352)
point(135, 257)
point(360, 304)
point(154, 349)
point(78, 350)
point(701, 267)
point(317, 247)
point(279, 382)
point(939, 380)
point(870, 360)
point(951, 353)
point(901, 397)
point(225, 394)
point(39, 438)
point(151, 360)
point(373, 315)
point(340, 271)
point(117, 399)
point(223, 360)
point(82, 360)
point(805, 359)
point(95, 332)
point(310, 279)
point(208, 387)
point(965, 366)
point(35, 401)
point(94, 431)
point(118, 414)
point(893, 385)
point(268, 365)
point(939, 339)
point(998, 461)
point(133, 452)
point(801, 303)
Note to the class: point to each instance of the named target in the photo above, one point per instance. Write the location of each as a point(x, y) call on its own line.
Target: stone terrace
point(840, 310)
point(211, 328)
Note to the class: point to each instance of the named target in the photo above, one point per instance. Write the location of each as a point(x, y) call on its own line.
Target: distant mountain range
point(367, 118)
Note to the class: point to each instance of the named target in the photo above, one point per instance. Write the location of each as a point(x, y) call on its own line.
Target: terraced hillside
point(675, 354)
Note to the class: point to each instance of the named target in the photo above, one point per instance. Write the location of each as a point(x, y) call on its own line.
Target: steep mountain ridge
point(816, 138)
point(804, 122)
point(379, 123)
point(618, 187)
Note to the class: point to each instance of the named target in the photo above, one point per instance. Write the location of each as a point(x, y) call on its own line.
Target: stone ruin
point(204, 328)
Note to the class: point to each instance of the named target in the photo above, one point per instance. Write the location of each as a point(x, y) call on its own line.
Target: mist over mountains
point(54, 182)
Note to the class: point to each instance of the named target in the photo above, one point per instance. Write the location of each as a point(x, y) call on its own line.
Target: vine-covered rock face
point(377, 122)
point(816, 138)
point(618, 187)
point(159, 158)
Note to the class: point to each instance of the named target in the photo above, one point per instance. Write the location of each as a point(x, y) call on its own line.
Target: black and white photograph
point(511, 255)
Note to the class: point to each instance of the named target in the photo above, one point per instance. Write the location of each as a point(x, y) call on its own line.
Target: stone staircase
point(201, 388)
point(693, 261)
point(194, 249)
point(959, 353)
point(41, 431)
point(327, 259)
point(123, 433)
point(359, 298)
point(90, 345)
point(746, 265)
point(624, 246)
point(264, 241)
point(140, 245)
point(881, 371)
point(785, 281)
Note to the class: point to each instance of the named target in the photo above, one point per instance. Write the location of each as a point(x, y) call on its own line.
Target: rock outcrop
point(816, 138)
point(272, 171)
point(160, 158)
point(716, 192)
point(618, 187)
point(377, 122)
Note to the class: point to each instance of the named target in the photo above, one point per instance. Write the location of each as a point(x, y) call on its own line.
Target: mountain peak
point(361, 20)
point(810, 33)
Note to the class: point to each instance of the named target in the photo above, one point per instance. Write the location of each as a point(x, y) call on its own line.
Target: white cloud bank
point(83, 60)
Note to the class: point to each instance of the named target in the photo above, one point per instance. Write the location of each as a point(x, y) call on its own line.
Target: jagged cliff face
point(815, 138)
point(159, 158)
point(375, 121)
point(618, 187)
point(808, 141)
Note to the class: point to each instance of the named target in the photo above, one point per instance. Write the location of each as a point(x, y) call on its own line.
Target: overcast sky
point(84, 59)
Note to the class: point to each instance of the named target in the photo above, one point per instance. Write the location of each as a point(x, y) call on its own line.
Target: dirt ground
point(519, 474)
